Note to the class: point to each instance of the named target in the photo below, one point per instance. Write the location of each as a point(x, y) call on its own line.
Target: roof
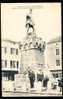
point(57, 39)
point(7, 40)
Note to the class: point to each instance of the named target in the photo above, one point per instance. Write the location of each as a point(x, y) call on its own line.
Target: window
point(57, 62)
point(5, 63)
point(16, 51)
point(57, 51)
point(3, 74)
point(5, 50)
point(12, 50)
point(11, 64)
point(37, 43)
point(17, 64)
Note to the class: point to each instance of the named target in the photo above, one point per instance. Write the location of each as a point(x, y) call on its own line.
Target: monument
point(32, 57)
point(32, 49)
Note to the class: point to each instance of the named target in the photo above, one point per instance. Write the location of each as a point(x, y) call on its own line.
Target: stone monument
point(32, 49)
point(32, 55)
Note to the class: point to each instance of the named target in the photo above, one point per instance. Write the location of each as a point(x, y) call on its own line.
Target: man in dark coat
point(40, 77)
point(31, 76)
point(60, 84)
point(45, 81)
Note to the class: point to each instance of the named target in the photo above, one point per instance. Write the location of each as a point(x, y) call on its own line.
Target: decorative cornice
point(36, 44)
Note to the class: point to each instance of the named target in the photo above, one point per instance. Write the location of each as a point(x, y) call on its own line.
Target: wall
point(52, 57)
point(32, 57)
point(8, 56)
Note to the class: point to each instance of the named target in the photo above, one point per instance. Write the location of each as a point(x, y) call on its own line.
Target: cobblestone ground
point(24, 94)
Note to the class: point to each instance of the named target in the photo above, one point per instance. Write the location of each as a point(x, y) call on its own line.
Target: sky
point(46, 16)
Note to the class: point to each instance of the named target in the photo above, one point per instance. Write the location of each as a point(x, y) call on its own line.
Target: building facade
point(10, 59)
point(54, 57)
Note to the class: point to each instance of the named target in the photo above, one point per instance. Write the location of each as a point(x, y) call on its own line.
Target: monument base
point(22, 83)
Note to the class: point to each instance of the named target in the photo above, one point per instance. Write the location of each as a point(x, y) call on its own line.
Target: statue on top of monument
point(29, 22)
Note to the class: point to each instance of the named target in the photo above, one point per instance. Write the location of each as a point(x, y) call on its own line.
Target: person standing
point(31, 76)
point(60, 84)
point(45, 82)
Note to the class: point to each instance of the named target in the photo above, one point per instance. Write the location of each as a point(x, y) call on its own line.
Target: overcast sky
point(46, 16)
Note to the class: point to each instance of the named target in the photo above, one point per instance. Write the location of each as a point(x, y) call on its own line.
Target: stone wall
point(32, 58)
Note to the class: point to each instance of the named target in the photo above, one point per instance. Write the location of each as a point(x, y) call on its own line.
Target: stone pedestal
point(21, 83)
point(39, 86)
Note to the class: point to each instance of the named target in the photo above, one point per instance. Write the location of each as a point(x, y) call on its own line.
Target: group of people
point(40, 77)
point(44, 80)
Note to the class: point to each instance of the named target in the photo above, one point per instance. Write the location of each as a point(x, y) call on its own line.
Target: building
point(10, 59)
point(54, 59)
